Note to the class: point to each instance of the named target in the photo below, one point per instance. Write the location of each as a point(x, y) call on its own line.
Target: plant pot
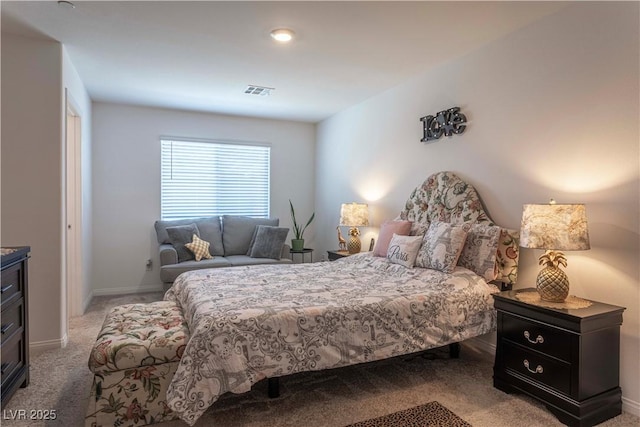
point(297, 244)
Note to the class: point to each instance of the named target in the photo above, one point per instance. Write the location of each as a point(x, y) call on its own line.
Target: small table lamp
point(354, 215)
point(554, 228)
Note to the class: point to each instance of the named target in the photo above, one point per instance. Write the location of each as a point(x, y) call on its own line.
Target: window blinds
point(205, 178)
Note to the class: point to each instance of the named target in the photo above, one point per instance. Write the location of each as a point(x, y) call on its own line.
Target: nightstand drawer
point(13, 359)
point(12, 320)
point(537, 336)
point(11, 283)
point(550, 372)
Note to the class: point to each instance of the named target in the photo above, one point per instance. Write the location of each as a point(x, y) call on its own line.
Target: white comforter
point(248, 323)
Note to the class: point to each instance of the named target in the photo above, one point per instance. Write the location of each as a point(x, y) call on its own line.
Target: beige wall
point(126, 182)
point(32, 180)
point(552, 111)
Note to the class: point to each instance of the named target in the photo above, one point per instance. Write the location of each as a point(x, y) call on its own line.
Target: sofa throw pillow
point(268, 242)
point(199, 247)
point(179, 236)
point(480, 250)
point(387, 230)
point(441, 246)
point(403, 250)
point(237, 232)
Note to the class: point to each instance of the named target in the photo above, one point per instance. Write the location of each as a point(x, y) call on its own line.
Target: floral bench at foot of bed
point(133, 361)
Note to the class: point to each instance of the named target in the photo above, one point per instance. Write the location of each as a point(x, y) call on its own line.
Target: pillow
point(419, 228)
point(237, 232)
point(480, 250)
point(268, 242)
point(403, 250)
point(181, 235)
point(387, 230)
point(441, 246)
point(199, 247)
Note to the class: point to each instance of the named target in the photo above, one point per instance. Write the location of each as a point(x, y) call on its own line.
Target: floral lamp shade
point(354, 215)
point(555, 228)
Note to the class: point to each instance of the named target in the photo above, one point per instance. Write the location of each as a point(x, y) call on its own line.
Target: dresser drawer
point(11, 284)
point(13, 358)
point(545, 370)
point(12, 320)
point(537, 336)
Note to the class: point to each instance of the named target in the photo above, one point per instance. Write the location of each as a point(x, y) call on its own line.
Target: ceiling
point(201, 56)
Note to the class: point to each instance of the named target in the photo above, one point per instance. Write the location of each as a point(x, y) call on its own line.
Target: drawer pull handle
point(5, 288)
point(5, 328)
point(538, 370)
point(538, 340)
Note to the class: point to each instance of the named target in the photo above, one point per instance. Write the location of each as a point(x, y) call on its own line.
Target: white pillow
point(404, 249)
point(442, 245)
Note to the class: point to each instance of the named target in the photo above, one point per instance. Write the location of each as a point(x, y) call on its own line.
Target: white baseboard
point(38, 347)
point(128, 290)
point(629, 406)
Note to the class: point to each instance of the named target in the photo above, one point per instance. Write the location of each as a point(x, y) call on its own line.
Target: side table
point(567, 358)
point(302, 252)
point(334, 255)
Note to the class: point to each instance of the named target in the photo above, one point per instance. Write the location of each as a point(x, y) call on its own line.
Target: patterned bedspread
point(248, 323)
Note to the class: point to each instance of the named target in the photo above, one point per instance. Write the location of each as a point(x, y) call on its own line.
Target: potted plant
point(297, 244)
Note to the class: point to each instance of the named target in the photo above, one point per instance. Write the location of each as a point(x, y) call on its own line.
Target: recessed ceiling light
point(282, 35)
point(66, 4)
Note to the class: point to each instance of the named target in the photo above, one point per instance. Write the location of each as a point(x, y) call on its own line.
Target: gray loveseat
point(230, 239)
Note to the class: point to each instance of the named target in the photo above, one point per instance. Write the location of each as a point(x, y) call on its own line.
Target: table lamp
point(555, 228)
point(354, 215)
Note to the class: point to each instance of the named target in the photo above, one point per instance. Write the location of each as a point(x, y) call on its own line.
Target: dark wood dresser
point(569, 359)
point(14, 332)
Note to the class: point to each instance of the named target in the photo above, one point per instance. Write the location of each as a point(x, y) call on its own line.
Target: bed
point(257, 322)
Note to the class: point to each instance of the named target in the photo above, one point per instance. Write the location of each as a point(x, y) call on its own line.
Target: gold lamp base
point(354, 245)
point(552, 283)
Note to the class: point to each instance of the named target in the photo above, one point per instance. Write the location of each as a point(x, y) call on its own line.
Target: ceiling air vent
point(258, 90)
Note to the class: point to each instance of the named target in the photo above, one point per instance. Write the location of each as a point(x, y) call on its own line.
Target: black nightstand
point(569, 359)
point(334, 255)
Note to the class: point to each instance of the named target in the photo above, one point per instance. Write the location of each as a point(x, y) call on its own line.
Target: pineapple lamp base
point(552, 283)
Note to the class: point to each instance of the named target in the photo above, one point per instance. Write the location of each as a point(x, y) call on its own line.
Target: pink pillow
point(387, 229)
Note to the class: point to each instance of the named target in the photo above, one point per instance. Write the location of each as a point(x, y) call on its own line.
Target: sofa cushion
point(209, 228)
point(240, 260)
point(268, 242)
point(179, 236)
point(237, 232)
point(211, 231)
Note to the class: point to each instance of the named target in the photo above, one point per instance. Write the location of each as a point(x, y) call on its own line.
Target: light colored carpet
point(60, 380)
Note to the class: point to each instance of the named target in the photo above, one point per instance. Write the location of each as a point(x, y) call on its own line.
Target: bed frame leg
point(273, 387)
point(454, 350)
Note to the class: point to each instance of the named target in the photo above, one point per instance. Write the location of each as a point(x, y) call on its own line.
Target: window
point(205, 178)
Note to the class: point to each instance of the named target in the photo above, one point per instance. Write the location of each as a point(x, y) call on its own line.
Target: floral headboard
point(443, 196)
